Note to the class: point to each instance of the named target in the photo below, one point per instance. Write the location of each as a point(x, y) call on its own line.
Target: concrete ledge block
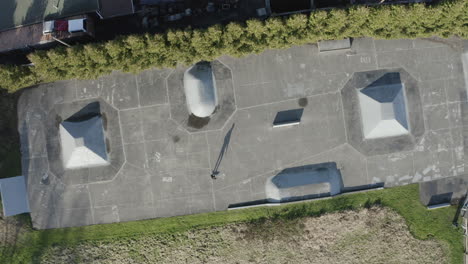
point(437, 206)
point(285, 124)
point(329, 45)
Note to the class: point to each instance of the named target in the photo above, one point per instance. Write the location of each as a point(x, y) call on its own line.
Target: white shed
point(14, 196)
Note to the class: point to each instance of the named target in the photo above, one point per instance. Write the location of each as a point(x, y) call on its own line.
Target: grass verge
point(423, 224)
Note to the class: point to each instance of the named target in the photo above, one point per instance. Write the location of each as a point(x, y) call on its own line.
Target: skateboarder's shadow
point(224, 149)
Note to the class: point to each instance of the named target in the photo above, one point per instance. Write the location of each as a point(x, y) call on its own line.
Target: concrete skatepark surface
point(161, 159)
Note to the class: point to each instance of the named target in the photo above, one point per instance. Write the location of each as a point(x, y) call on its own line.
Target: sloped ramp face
point(305, 182)
point(383, 111)
point(14, 196)
point(200, 90)
point(83, 143)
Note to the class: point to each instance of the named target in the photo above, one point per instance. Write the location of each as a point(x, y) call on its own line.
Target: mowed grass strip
point(367, 235)
point(422, 224)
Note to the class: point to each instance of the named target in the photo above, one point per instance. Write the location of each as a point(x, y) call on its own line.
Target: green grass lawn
point(423, 224)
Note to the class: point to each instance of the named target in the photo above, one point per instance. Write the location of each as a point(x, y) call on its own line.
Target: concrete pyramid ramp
point(14, 196)
point(383, 111)
point(83, 144)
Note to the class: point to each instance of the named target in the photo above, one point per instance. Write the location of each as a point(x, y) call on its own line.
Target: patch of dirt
point(11, 228)
point(375, 235)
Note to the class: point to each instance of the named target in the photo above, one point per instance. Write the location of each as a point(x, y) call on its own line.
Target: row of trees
point(138, 52)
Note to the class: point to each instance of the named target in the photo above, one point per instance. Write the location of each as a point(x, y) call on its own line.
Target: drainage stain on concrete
point(108, 145)
point(58, 121)
point(175, 139)
point(104, 121)
point(303, 102)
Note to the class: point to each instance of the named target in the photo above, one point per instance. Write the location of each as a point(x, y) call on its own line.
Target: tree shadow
point(7, 19)
point(456, 217)
point(35, 13)
point(30, 245)
point(10, 164)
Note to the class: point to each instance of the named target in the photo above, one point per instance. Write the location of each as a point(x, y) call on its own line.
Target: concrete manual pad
point(164, 162)
point(329, 45)
point(14, 196)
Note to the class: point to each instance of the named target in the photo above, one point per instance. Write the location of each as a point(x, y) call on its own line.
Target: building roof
point(17, 13)
point(200, 89)
point(383, 111)
point(14, 196)
point(83, 144)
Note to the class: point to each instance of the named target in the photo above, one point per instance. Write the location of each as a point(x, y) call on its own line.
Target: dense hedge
point(137, 52)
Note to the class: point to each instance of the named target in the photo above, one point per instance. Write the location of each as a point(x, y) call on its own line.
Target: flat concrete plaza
point(160, 157)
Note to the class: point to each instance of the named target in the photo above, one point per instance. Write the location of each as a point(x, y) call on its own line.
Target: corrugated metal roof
point(15, 13)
